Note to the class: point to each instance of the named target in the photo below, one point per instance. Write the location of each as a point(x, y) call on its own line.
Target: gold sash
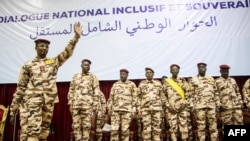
point(176, 87)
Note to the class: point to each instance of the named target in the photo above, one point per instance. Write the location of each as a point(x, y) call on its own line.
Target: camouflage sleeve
point(68, 51)
point(246, 93)
point(164, 92)
point(139, 98)
point(103, 100)
point(216, 95)
point(164, 101)
point(185, 85)
point(23, 80)
point(71, 91)
point(96, 89)
point(110, 99)
point(237, 91)
point(190, 93)
point(187, 88)
point(134, 98)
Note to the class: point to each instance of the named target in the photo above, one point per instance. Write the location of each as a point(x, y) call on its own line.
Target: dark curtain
point(61, 123)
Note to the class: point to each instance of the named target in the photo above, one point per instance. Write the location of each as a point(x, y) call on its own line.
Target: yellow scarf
point(176, 87)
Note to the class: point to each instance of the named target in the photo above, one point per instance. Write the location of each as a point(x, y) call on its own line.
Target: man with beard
point(36, 91)
point(205, 102)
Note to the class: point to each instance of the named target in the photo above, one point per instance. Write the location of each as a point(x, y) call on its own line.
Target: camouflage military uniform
point(205, 99)
point(246, 93)
point(101, 108)
point(150, 101)
point(177, 109)
point(231, 101)
point(121, 103)
point(83, 99)
point(37, 93)
point(23, 122)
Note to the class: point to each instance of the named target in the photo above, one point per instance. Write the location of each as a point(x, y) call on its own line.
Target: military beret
point(42, 41)
point(149, 69)
point(124, 70)
point(224, 66)
point(86, 60)
point(163, 77)
point(201, 64)
point(175, 65)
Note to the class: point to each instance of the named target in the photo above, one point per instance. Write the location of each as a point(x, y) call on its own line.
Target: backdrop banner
point(128, 34)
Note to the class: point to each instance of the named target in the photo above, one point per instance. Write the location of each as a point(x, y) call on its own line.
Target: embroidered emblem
point(42, 68)
point(49, 61)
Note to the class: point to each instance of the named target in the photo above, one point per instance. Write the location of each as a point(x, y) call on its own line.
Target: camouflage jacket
point(229, 94)
point(37, 79)
point(150, 96)
point(122, 96)
point(84, 91)
point(174, 99)
point(203, 92)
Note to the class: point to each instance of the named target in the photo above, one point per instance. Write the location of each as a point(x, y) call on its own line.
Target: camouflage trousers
point(231, 117)
point(178, 122)
point(190, 126)
point(99, 126)
point(35, 122)
point(120, 122)
point(151, 125)
point(23, 122)
point(206, 117)
point(81, 124)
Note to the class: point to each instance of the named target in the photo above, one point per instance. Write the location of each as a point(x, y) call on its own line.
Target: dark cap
point(149, 69)
point(124, 70)
point(42, 41)
point(86, 60)
point(224, 66)
point(201, 64)
point(175, 65)
point(163, 77)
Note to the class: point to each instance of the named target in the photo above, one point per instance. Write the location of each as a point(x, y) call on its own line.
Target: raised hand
point(78, 29)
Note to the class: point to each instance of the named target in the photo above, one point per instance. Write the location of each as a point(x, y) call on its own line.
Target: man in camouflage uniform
point(230, 98)
point(101, 109)
point(83, 97)
point(150, 102)
point(205, 102)
point(121, 107)
point(246, 93)
point(36, 91)
point(177, 104)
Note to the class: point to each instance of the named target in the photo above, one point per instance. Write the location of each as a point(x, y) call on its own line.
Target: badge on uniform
point(49, 61)
point(42, 68)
